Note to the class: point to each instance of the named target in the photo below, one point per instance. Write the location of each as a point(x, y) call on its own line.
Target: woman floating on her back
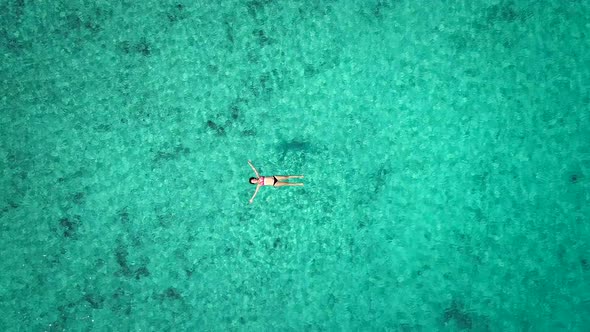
point(273, 181)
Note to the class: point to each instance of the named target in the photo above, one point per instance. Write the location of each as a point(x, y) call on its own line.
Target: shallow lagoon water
point(445, 148)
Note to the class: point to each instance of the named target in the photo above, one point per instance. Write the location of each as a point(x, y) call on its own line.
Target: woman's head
point(253, 180)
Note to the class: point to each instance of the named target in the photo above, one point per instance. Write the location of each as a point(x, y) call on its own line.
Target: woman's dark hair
point(251, 180)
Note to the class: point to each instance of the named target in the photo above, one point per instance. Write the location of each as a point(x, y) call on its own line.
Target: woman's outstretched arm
point(254, 169)
point(255, 192)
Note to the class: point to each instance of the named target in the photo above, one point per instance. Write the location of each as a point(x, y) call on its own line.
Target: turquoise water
point(445, 147)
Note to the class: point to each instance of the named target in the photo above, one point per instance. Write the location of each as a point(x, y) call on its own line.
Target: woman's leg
point(286, 177)
point(287, 184)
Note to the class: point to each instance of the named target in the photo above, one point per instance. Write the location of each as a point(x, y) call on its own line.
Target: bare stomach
point(269, 181)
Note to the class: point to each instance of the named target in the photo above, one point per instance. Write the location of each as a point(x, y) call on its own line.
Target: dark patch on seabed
point(331, 301)
point(576, 177)
point(72, 176)
point(294, 145)
point(222, 123)
point(265, 84)
point(177, 13)
point(295, 151)
point(95, 301)
point(256, 7)
point(249, 132)
point(229, 32)
point(329, 59)
point(463, 318)
point(13, 13)
point(77, 21)
point(456, 313)
point(234, 111)
point(218, 129)
point(121, 256)
point(380, 7)
point(13, 44)
point(261, 37)
point(64, 312)
point(170, 293)
point(502, 12)
point(123, 215)
point(381, 177)
point(17, 165)
point(9, 206)
point(141, 47)
point(171, 154)
point(142, 272)
point(122, 298)
point(19, 9)
point(70, 226)
point(277, 244)
point(79, 198)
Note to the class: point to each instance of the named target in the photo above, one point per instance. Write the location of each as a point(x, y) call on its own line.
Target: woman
point(274, 181)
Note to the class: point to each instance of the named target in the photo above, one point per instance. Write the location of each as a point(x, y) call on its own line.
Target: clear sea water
point(445, 147)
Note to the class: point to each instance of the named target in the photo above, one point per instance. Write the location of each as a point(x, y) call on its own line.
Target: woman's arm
point(255, 171)
point(255, 192)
